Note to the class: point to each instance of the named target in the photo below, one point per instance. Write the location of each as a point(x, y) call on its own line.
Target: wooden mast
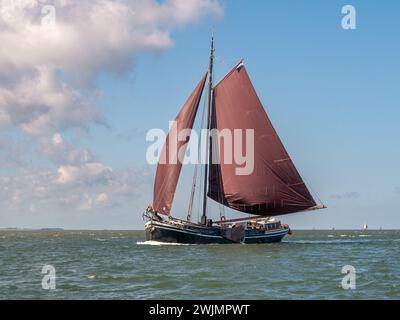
point(210, 97)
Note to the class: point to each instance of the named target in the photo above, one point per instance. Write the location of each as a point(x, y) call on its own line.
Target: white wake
point(159, 243)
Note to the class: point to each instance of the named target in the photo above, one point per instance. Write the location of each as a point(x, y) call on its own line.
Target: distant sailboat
point(274, 188)
point(365, 226)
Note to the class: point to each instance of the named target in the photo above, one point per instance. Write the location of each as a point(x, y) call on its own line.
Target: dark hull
point(202, 235)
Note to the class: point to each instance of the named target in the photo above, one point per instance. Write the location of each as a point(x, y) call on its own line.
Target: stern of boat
point(266, 231)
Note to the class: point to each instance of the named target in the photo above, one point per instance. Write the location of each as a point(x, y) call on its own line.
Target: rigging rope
point(194, 181)
point(227, 62)
point(202, 167)
point(312, 191)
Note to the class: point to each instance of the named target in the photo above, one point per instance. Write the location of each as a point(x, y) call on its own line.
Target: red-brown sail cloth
point(274, 187)
point(167, 174)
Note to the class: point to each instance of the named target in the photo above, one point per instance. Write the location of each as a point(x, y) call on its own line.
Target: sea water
point(122, 265)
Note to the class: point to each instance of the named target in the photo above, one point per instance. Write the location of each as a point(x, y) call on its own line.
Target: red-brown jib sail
point(274, 187)
point(168, 172)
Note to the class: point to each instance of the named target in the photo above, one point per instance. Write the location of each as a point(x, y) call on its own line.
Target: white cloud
point(62, 152)
point(87, 173)
point(47, 84)
point(44, 71)
point(92, 35)
point(92, 202)
point(40, 104)
point(57, 139)
point(66, 191)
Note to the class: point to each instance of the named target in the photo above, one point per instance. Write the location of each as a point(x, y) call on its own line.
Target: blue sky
point(332, 94)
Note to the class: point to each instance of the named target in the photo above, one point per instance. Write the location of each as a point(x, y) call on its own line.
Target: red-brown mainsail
point(274, 187)
point(168, 171)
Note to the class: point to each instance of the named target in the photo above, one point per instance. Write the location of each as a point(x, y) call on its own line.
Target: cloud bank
point(351, 195)
point(50, 56)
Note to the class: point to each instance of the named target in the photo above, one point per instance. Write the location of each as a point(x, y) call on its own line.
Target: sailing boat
point(273, 188)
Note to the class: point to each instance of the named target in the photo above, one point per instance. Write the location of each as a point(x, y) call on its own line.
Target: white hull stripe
point(272, 234)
